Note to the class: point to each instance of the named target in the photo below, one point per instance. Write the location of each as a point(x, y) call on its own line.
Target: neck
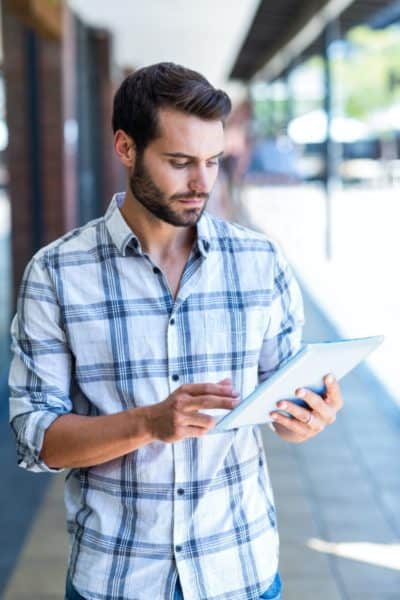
point(157, 238)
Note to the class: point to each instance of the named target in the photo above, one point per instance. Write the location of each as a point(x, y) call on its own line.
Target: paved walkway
point(338, 499)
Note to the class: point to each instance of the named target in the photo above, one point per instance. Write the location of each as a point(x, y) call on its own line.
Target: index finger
point(202, 402)
point(212, 389)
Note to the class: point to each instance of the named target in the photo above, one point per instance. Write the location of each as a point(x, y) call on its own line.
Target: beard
point(154, 200)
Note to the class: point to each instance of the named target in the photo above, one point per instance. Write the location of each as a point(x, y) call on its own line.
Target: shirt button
point(172, 322)
point(178, 548)
point(260, 462)
point(175, 377)
point(181, 491)
point(156, 270)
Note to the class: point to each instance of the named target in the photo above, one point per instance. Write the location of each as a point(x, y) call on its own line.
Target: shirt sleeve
point(283, 338)
point(40, 372)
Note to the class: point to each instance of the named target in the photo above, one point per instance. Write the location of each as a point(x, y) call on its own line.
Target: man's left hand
point(308, 422)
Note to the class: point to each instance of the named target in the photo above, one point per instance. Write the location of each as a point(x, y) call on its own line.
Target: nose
point(199, 180)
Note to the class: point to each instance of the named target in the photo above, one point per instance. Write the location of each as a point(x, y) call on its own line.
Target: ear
point(124, 147)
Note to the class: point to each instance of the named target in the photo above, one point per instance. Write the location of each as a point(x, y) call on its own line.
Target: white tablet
point(306, 369)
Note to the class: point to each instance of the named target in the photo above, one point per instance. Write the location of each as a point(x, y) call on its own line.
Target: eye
point(178, 165)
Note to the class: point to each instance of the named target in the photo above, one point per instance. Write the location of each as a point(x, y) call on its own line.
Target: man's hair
point(164, 84)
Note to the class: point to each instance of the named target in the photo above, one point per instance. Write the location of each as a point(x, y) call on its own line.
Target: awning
point(282, 31)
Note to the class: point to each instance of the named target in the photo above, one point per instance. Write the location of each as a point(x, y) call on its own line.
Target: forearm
point(79, 441)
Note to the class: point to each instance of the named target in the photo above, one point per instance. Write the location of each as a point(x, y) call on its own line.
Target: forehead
point(189, 134)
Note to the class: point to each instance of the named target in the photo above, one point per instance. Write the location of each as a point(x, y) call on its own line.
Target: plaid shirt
point(97, 331)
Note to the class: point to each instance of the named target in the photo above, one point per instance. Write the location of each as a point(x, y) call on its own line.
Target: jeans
point(70, 591)
point(272, 593)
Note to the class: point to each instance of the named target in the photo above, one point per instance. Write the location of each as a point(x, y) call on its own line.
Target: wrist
point(143, 423)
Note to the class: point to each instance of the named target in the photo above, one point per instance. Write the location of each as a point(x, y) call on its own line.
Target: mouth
point(192, 201)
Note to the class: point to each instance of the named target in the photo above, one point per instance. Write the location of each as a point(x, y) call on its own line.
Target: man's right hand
point(177, 417)
point(78, 441)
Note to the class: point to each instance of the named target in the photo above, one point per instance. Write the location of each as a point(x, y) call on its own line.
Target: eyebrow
point(182, 155)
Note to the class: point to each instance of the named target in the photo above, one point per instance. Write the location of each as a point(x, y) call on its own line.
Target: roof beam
point(309, 26)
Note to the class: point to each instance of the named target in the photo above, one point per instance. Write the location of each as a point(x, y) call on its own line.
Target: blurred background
point(312, 159)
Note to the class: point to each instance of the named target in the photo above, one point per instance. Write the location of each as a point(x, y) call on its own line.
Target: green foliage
point(366, 78)
point(370, 74)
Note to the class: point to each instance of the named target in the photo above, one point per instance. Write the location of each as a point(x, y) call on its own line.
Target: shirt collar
point(124, 238)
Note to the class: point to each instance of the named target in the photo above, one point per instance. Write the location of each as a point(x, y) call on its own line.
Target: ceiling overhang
point(286, 31)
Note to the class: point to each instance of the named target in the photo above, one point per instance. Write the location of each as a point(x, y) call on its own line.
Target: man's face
point(175, 174)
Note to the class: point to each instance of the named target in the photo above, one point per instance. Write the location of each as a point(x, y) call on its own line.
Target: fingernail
point(235, 394)
point(274, 416)
point(283, 404)
point(301, 393)
point(330, 378)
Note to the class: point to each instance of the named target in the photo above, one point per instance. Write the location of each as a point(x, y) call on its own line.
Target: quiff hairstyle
point(165, 84)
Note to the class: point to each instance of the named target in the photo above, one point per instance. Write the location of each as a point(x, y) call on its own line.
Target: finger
point(195, 431)
point(298, 412)
point(333, 393)
point(209, 401)
point(216, 389)
point(303, 414)
point(199, 420)
point(291, 424)
point(317, 404)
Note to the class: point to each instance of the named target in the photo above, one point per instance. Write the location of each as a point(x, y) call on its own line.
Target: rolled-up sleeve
point(40, 372)
point(283, 338)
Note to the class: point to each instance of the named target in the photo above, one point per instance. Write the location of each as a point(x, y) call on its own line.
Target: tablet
point(306, 369)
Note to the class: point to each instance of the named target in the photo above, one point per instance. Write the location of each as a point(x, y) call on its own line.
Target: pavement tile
point(359, 578)
point(367, 441)
point(391, 505)
point(337, 491)
point(291, 531)
point(298, 560)
point(386, 480)
point(382, 596)
point(311, 589)
point(31, 579)
point(347, 531)
point(45, 550)
point(287, 482)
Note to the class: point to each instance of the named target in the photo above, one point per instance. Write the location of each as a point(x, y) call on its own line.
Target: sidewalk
point(337, 497)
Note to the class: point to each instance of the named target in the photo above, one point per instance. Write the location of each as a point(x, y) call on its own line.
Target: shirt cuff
point(30, 441)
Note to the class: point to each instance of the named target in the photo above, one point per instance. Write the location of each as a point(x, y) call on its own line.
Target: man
point(132, 333)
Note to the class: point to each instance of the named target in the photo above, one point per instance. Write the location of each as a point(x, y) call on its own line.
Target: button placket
point(179, 518)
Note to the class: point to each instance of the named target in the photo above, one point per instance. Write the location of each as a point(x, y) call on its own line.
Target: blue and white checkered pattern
point(93, 335)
